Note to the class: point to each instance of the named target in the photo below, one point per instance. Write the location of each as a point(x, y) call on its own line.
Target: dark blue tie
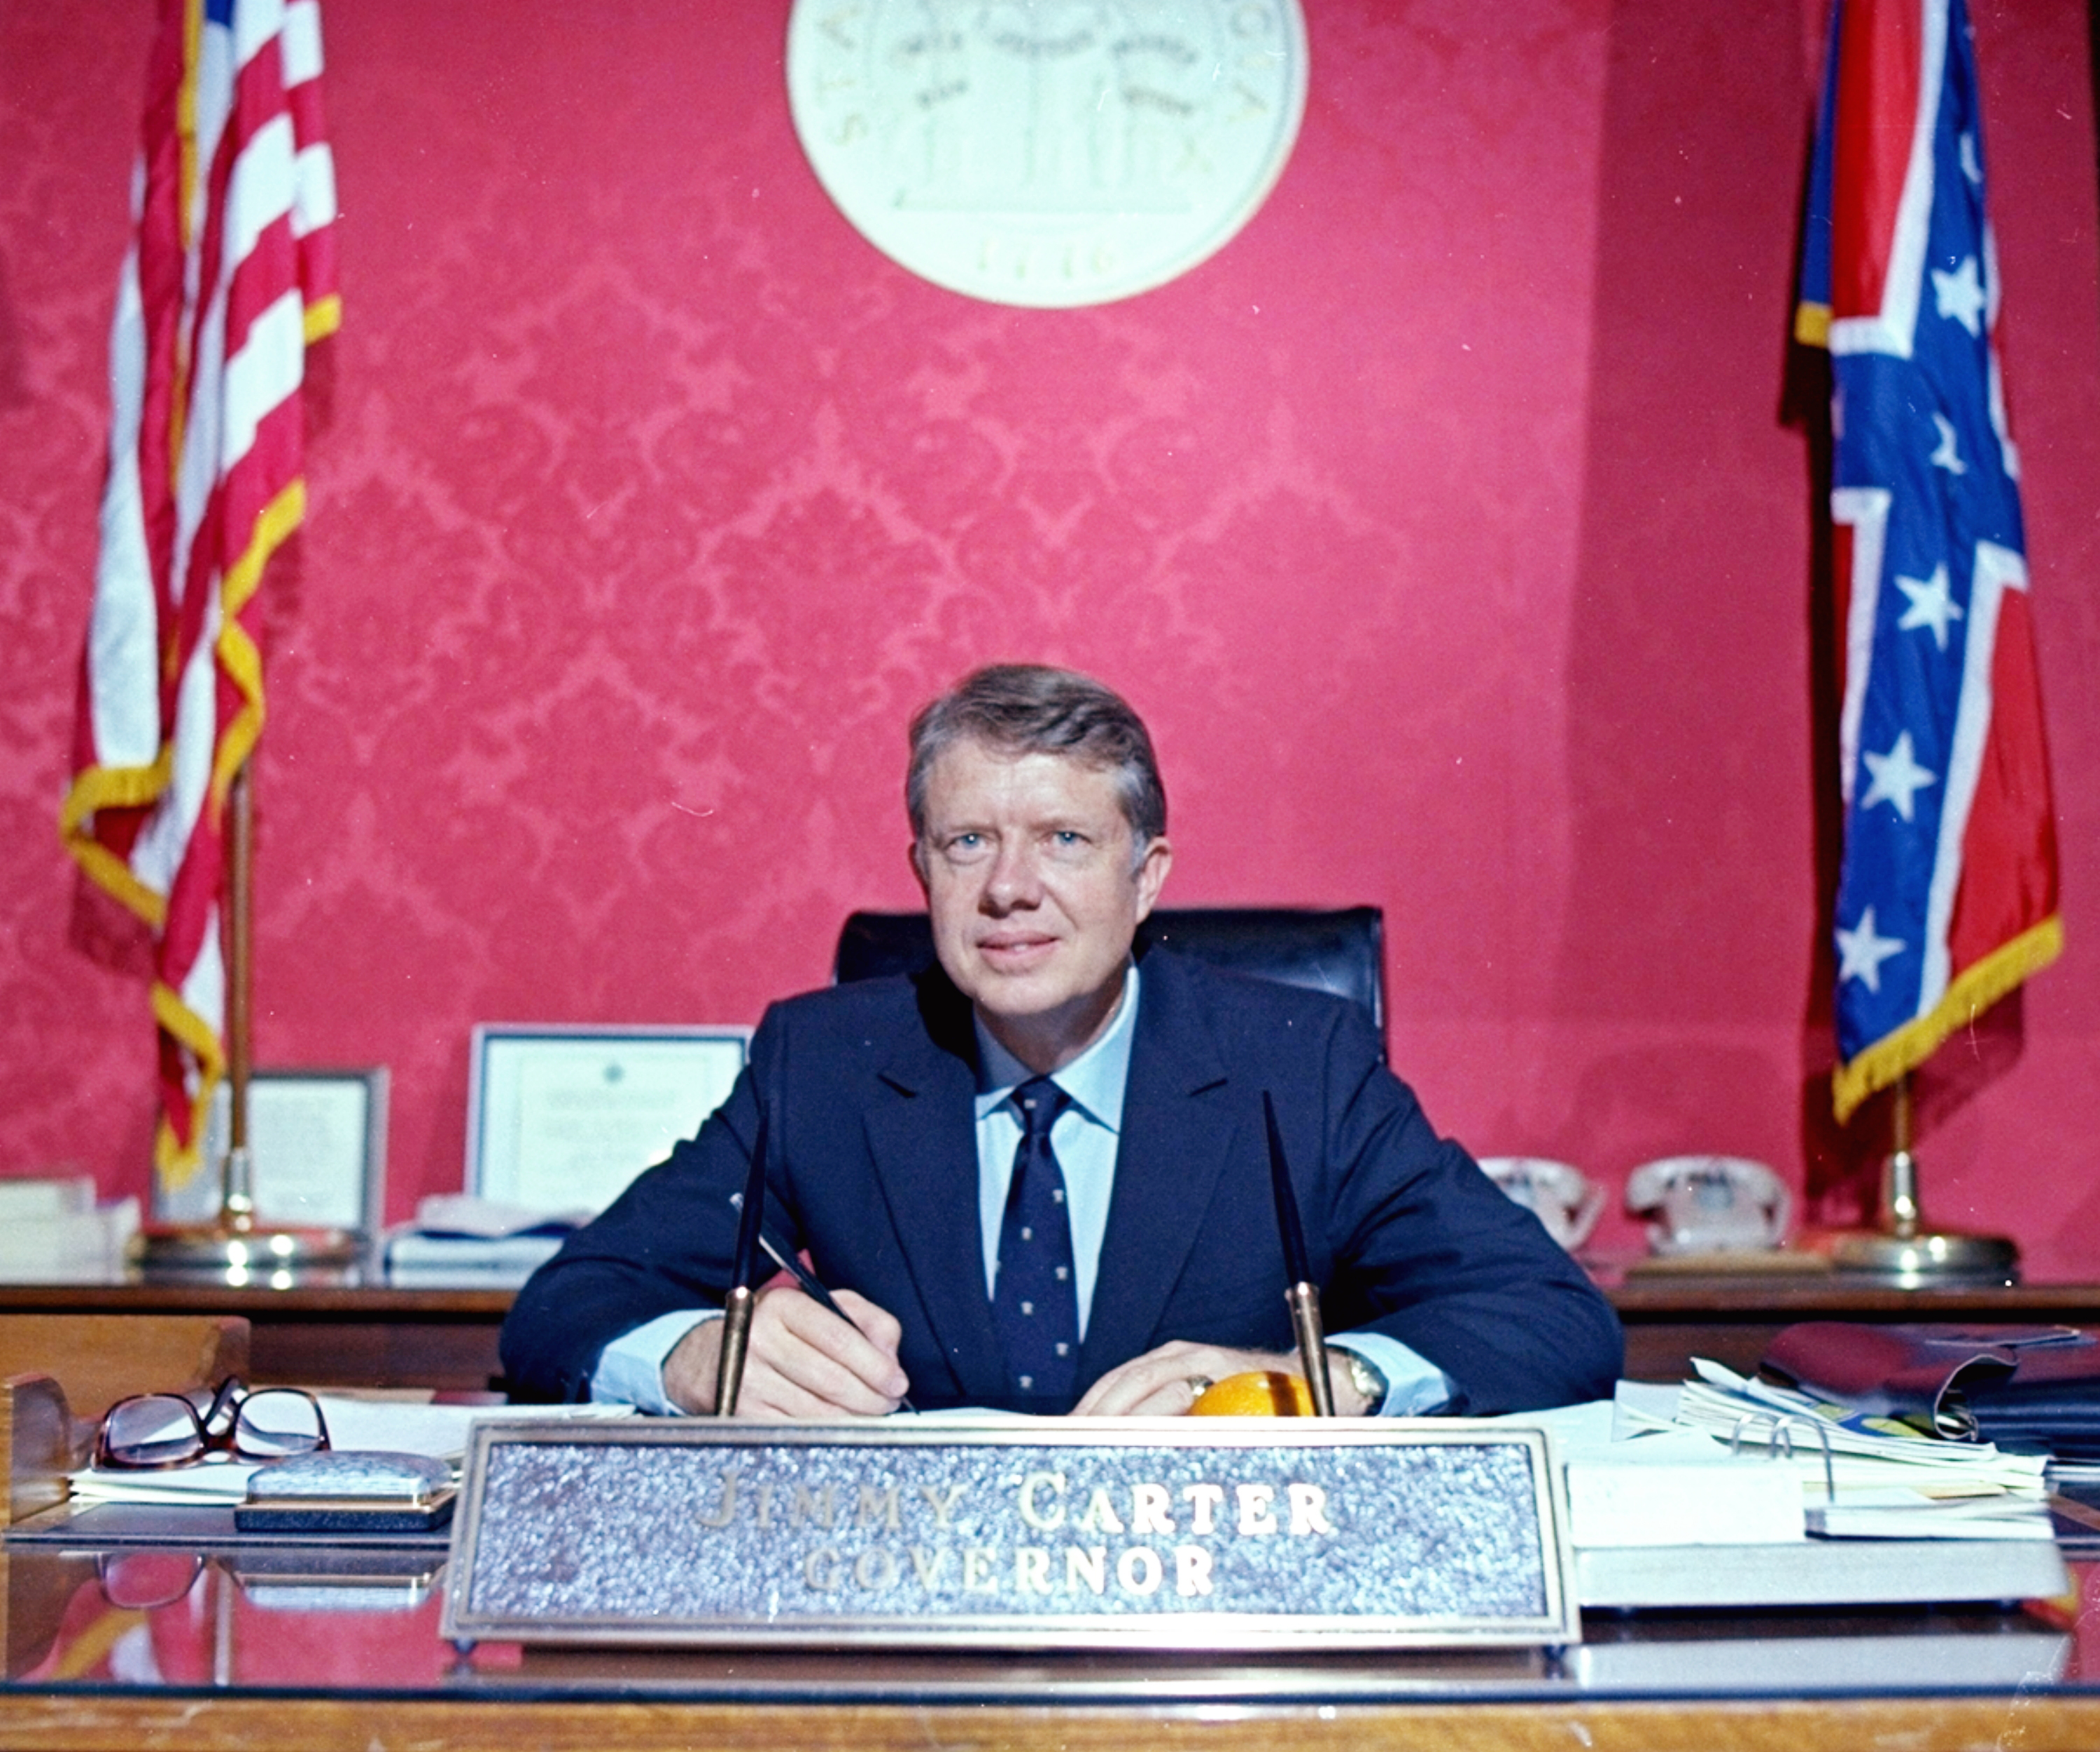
point(1035, 1303)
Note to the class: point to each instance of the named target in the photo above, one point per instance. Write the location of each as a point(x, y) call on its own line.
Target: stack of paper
point(459, 1239)
point(52, 1231)
point(1662, 1513)
point(1869, 1478)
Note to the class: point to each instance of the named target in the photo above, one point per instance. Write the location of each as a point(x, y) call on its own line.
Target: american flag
point(230, 276)
point(1947, 895)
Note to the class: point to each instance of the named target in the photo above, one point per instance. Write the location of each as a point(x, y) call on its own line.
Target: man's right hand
point(802, 1360)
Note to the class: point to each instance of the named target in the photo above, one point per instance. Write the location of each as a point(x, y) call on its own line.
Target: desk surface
point(179, 1649)
point(353, 1334)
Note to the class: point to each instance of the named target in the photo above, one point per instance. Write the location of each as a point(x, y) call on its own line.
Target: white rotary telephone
point(1709, 1204)
point(1558, 1194)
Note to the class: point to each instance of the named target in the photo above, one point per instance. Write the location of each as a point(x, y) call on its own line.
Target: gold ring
point(1199, 1385)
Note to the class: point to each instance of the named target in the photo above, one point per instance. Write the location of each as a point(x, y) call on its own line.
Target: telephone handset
point(1558, 1194)
point(1710, 1204)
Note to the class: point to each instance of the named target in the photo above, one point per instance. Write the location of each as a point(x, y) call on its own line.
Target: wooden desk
point(216, 1664)
point(90, 1721)
point(338, 1336)
point(1669, 1321)
point(354, 1336)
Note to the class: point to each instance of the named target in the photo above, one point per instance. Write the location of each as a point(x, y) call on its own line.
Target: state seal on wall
point(1048, 153)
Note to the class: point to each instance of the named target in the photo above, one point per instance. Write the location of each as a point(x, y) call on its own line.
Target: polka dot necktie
point(1035, 1303)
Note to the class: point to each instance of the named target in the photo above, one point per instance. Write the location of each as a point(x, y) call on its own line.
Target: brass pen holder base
point(265, 1258)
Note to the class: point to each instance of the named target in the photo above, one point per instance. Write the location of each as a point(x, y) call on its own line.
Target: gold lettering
point(1192, 1570)
point(1309, 1510)
point(928, 1565)
point(1204, 1500)
point(876, 1570)
point(721, 1518)
point(942, 1506)
point(1100, 1516)
point(1089, 1565)
point(821, 1567)
point(1031, 1569)
point(878, 1502)
point(1149, 1506)
point(1257, 1512)
point(817, 1508)
point(1138, 1570)
point(1048, 1520)
point(979, 1563)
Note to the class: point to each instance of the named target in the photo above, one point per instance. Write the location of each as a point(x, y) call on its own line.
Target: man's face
point(1028, 866)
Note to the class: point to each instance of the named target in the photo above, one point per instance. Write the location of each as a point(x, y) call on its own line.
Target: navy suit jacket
point(870, 1089)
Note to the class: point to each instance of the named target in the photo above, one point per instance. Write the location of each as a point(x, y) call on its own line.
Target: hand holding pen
point(812, 1358)
point(809, 1284)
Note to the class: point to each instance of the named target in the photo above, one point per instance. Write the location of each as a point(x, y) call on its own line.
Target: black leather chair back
point(1342, 952)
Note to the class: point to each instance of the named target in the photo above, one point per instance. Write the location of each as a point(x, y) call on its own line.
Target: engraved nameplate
point(1143, 1531)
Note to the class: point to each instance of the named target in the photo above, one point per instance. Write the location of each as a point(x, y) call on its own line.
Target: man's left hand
point(1167, 1382)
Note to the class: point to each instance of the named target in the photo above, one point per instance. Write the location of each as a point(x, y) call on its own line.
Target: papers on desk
point(1871, 1477)
point(52, 1231)
point(1661, 1511)
point(385, 1426)
point(460, 1239)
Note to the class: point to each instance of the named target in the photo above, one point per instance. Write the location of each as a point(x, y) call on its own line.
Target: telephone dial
point(1709, 1204)
point(1558, 1194)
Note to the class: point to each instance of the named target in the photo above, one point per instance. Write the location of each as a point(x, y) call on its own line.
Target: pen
point(1302, 1296)
point(811, 1284)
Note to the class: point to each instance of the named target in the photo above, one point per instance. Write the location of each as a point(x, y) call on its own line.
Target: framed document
point(562, 1118)
point(319, 1141)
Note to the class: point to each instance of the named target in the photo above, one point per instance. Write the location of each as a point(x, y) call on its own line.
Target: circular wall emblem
point(1047, 152)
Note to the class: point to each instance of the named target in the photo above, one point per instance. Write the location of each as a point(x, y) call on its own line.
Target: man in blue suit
point(1037, 1175)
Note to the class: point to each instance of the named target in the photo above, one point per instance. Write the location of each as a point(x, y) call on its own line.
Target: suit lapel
point(1177, 1129)
point(922, 1135)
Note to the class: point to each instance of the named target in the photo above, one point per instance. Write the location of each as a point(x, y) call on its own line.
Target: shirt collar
point(1094, 1080)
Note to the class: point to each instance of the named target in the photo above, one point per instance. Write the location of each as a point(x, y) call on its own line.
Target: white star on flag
point(1860, 953)
point(1948, 455)
point(1898, 778)
point(1960, 295)
point(1932, 604)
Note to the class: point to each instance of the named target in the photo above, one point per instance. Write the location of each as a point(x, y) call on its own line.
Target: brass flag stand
point(233, 1249)
point(1901, 1249)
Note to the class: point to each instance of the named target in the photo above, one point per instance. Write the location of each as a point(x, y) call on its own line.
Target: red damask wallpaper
point(1449, 526)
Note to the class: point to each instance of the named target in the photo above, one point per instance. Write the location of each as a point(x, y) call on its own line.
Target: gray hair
point(1018, 708)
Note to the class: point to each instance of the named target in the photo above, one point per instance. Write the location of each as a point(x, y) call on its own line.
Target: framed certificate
point(562, 1118)
point(318, 1139)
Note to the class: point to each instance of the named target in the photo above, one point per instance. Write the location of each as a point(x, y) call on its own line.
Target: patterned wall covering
point(1445, 526)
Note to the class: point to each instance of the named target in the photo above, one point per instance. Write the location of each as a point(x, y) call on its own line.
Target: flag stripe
point(1996, 570)
point(1997, 894)
point(1899, 48)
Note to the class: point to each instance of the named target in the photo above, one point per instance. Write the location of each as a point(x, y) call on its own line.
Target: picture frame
point(317, 1137)
point(562, 1117)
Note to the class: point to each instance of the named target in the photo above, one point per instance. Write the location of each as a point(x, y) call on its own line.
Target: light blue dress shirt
point(630, 1369)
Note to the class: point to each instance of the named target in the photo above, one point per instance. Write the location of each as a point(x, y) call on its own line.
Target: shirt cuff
point(1415, 1386)
point(630, 1369)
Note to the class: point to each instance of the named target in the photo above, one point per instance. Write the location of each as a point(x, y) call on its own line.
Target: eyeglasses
point(151, 1431)
point(146, 1581)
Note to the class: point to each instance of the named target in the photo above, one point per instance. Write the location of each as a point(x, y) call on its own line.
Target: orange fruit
point(1256, 1394)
